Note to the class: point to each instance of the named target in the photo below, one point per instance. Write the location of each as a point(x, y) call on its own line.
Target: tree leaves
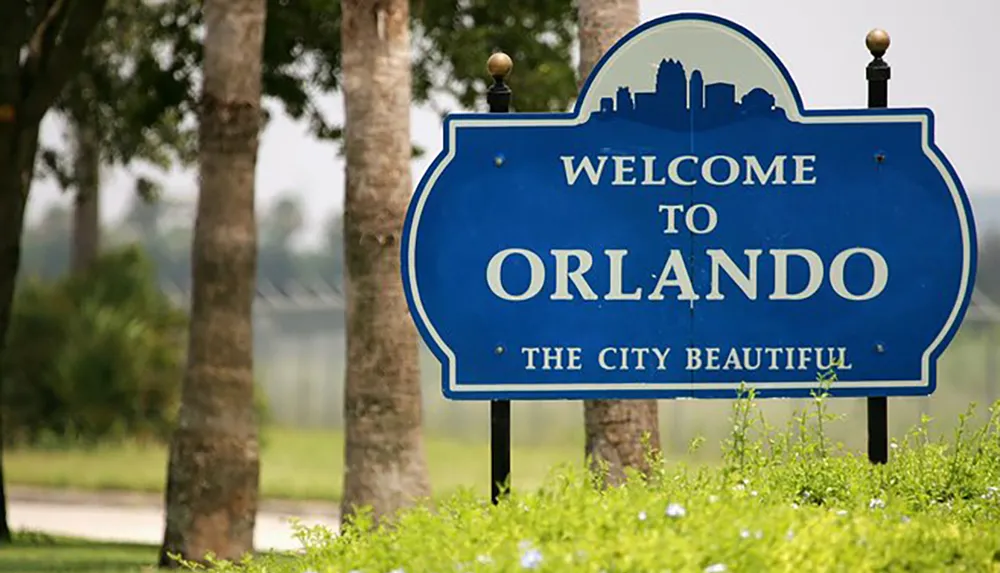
point(141, 69)
point(146, 57)
point(458, 37)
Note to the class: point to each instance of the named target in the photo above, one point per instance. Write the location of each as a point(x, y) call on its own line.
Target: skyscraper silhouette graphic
point(679, 104)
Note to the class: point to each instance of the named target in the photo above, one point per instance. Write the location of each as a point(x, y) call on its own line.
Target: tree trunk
point(384, 466)
point(213, 470)
point(86, 208)
point(11, 222)
point(32, 74)
point(17, 159)
point(614, 428)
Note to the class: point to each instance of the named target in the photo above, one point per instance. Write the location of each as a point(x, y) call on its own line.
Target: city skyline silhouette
point(681, 103)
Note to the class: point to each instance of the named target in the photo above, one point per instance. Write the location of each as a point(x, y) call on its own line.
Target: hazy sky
point(943, 56)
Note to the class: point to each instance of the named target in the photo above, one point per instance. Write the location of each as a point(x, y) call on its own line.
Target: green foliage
point(782, 501)
point(455, 39)
point(452, 41)
point(138, 81)
point(134, 98)
point(94, 356)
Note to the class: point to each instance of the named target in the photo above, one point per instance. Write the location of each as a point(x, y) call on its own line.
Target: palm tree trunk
point(385, 467)
point(213, 471)
point(615, 429)
point(86, 208)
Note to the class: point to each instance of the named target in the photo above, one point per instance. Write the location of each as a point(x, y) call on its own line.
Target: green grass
point(295, 464)
point(38, 553)
point(781, 501)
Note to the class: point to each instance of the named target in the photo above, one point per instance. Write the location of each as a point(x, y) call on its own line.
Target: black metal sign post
point(498, 98)
point(878, 73)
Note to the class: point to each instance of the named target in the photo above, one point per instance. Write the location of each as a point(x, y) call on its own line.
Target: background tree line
point(163, 230)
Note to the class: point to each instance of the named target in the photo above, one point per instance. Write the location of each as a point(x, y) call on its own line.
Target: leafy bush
point(94, 356)
point(781, 501)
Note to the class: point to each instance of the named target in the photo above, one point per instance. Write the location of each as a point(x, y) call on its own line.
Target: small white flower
point(745, 533)
point(876, 503)
point(484, 559)
point(676, 510)
point(753, 493)
point(716, 568)
point(531, 559)
point(789, 535)
point(713, 498)
point(841, 512)
point(894, 445)
point(642, 516)
point(795, 505)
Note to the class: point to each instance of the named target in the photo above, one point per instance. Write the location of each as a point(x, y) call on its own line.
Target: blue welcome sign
point(688, 227)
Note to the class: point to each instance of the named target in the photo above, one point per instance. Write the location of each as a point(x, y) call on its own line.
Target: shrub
point(781, 501)
point(94, 356)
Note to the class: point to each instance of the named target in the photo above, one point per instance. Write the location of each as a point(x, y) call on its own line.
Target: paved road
point(138, 523)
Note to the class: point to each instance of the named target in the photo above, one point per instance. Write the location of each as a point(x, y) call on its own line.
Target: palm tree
point(614, 428)
point(213, 471)
point(86, 206)
point(385, 468)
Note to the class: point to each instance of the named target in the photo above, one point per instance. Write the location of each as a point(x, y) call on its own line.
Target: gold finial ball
point(499, 65)
point(877, 41)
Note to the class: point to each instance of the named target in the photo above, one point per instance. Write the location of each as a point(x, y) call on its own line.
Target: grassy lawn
point(295, 464)
point(777, 501)
point(37, 553)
